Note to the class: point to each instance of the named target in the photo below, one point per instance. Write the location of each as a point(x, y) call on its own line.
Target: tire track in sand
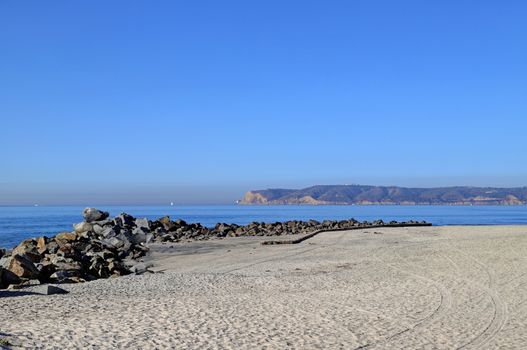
point(501, 313)
point(275, 257)
point(441, 311)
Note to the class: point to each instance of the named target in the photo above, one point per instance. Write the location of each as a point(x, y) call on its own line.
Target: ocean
point(18, 223)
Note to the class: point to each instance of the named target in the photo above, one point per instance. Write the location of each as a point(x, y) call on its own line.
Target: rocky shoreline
point(387, 195)
point(102, 247)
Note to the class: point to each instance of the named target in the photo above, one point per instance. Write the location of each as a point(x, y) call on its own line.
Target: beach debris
point(141, 268)
point(52, 290)
point(102, 247)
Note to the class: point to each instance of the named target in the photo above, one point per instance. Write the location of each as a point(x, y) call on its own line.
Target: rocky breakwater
point(102, 247)
point(98, 247)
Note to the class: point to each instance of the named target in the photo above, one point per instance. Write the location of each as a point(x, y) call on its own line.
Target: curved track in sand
point(403, 288)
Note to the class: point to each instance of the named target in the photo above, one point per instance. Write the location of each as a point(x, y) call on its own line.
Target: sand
point(398, 288)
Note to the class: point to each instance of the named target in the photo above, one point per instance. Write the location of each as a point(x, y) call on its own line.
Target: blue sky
point(200, 101)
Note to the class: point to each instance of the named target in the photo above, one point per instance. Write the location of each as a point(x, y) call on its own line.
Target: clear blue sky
point(200, 101)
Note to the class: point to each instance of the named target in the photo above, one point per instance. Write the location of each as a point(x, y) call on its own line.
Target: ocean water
point(18, 223)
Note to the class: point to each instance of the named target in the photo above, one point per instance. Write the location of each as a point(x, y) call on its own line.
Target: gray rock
point(52, 247)
point(4, 262)
point(138, 236)
point(33, 282)
point(125, 245)
point(55, 259)
point(104, 222)
point(98, 229)
point(63, 276)
point(143, 223)
point(82, 227)
point(68, 266)
point(140, 268)
point(93, 214)
point(108, 232)
point(112, 242)
point(124, 220)
point(149, 238)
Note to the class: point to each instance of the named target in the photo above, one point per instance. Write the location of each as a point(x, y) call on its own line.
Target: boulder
point(42, 244)
point(70, 266)
point(139, 236)
point(108, 232)
point(82, 227)
point(22, 267)
point(180, 222)
point(4, 262)
point(66, 236)
point(143, 224)
point(8, 278)
point(119, 241)
point(167, 224)
point(66, 249)
point(93, 215)
point(124, 220)
point(52, 247)
point(98, 229)
point(29, 249)
point(164, 220)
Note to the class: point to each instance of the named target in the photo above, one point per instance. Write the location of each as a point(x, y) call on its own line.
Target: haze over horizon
point(199, 102)
point(158, 195)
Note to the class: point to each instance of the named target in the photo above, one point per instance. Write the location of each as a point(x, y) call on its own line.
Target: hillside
point(360, 194)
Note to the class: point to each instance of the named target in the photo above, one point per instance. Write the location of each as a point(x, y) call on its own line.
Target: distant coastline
point(387, 195)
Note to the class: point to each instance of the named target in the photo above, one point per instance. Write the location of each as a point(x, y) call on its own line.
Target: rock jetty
point(102, 247)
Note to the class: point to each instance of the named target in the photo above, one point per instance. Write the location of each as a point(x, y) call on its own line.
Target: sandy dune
point(404, 288)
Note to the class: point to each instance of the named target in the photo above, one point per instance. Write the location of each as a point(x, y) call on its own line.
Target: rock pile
point(100, 246)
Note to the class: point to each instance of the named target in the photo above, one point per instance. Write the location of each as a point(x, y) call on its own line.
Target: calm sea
point(18, 223)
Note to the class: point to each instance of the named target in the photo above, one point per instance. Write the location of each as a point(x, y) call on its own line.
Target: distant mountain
point(359, 194)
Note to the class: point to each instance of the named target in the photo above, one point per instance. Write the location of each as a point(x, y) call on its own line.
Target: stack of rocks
point(100, 247)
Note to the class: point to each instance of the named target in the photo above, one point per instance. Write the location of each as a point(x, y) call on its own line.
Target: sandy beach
point(393, 288)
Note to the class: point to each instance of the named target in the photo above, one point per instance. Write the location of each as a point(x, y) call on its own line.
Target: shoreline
point(102, 246)
point(17, 224)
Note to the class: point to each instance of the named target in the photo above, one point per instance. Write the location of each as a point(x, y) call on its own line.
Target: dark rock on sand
point(51, 290)
point(8, 278)
point(22, 266)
